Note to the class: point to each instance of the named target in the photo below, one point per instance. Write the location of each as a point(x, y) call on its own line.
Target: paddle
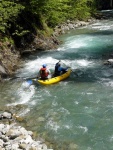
point(29, 80)
point(69, 67)
point(74, 73)
point(24, 78)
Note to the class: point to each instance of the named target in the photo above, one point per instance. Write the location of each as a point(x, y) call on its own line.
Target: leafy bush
point(8, 13)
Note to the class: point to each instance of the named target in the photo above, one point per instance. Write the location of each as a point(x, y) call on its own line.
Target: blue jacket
point(59, 70)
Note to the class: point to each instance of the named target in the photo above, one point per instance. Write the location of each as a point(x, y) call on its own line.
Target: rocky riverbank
point(15, 137)
point(71, 25)
point(9, 59)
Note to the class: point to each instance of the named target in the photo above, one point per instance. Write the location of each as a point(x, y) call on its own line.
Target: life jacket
point(43, 73)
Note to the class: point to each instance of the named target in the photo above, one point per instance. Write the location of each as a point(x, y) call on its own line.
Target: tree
point(8, 13)
point(111, 3)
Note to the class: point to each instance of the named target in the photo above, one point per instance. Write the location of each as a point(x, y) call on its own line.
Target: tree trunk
point(111, 3)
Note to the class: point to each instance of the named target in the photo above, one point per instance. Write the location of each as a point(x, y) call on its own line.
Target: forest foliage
point(19, 17)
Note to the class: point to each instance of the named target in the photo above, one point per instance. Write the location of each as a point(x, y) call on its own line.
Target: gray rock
point(70, 26)
point(15, 146)
point(1, 143)
point(2, 70)
point(23, 146)
point(1, 127)
point(5, 129)
point(13, 133)
point(4, 138)
point(7, 115)
point(13, 137)
point(1, 116)
point(6, 144)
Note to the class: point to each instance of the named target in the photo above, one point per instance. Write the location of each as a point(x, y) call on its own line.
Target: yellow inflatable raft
point(55, 79)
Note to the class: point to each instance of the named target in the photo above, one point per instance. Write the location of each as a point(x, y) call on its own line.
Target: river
point(77, 112)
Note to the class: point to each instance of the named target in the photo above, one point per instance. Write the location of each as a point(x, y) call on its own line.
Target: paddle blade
point(29, 82)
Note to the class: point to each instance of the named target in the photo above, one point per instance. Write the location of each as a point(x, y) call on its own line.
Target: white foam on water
point(109, 83)
point(32, 67)
point(111, 139)
point(76, 102)
point(106, 10)
point(51, 64)
point(78, 41)
point(52, 125)
point(38, 63)
point(25, 94)
point(84, 62)
point(89, 93)
point(47, 93)
point(85, 129)
point(65, 111)
point(77, 44)
point(74, 64)
point(102, 27)
point(54, 103)
point(61, 49)
point(67, 126)
point(24, 112)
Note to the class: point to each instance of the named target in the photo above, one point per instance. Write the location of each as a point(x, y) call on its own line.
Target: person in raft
point(44, 72)
point(59, 70)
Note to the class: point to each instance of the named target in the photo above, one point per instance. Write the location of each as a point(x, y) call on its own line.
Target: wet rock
point(9, 60)
point(18, 118)
point(5, 129)
point(15, 146)
point(1, 116)
point(7, 115)
point(14, 137)
point(1, 143)
point(4, 138)
point(41, 119)
point(1, 127)
point(23, 146)
point(108, 62)
point(63, 28)
point(2, 70)
point(13, 133)
point(73, 146)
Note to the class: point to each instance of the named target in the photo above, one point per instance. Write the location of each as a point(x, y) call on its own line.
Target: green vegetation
point(20, 18)
point(8, 13)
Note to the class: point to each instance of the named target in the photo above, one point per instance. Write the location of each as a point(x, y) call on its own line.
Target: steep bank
point(11, 56)
point(9, 59)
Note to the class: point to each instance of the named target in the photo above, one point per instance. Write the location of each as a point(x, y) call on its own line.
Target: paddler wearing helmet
point(44, 72)
point(59, 70)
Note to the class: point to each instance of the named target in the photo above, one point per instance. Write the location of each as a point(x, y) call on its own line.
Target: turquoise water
point(76, 112)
